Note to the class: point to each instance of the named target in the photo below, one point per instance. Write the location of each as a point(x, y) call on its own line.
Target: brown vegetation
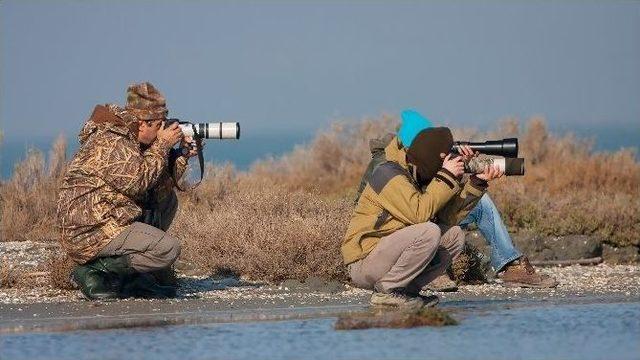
point(28, 199)
point(285, 217)
point(60, 267)
point(430, 316)
point(568, 188)
point(259, 228)
point(9, 276)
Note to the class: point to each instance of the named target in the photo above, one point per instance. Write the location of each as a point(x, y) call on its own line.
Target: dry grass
point(428, 316)
point(568, 188)
point(12, 276)
point(467, 268)
point(28, 199)
point(61, 267)
point(9, 276)
point(285, 217)
point(332, 163)
point(260, 229)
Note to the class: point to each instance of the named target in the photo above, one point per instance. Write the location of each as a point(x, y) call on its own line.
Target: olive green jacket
point(391, 200)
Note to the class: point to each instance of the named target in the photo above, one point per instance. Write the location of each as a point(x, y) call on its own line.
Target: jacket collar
point(395, 152)
point(112, 118)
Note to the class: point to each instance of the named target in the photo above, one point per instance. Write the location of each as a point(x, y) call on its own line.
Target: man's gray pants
point(148, 246)
point(408, 259)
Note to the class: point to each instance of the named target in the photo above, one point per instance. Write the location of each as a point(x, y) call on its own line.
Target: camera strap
point(198, 140)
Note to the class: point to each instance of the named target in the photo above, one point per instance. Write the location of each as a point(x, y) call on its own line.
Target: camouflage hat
point(146, 102)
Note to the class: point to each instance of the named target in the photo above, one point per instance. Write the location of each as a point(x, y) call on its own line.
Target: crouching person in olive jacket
point(117, 199)
point(402, 234)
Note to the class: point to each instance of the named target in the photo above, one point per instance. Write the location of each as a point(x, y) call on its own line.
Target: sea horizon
point(248, 149)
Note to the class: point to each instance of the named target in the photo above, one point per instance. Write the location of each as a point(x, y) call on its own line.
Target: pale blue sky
point(294, 66)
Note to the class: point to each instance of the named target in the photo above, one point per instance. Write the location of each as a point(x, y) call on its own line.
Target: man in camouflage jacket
point(117, 198)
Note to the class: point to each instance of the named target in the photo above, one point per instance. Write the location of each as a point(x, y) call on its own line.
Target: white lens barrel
point(216, 130)
point(229, 130)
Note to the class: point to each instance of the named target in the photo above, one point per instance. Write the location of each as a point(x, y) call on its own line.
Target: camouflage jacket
point(109, 180)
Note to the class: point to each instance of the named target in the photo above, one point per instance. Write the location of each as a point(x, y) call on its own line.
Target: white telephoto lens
point(222, 130)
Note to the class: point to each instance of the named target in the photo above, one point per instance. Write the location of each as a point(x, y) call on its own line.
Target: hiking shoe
point(428, 299)
point(396, 300)
point(520, 273)
point(442, 283)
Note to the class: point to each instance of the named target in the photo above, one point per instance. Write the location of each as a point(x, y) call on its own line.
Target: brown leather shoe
point(442, 283)
point(520, 273)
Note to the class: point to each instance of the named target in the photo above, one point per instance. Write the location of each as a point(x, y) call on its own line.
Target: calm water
point(594, 331)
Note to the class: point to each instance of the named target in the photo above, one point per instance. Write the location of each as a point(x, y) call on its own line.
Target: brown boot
point(520, 273)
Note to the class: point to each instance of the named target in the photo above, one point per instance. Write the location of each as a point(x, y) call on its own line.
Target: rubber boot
point(145, 285)
point(133, 283)
point(94, 283)
point(165, 277)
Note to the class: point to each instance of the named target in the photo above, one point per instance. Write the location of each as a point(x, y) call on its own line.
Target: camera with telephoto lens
point(216, 130)
point(201, 131)
point(506, 150)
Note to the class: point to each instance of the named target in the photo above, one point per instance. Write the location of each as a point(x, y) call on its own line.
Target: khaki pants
point(409, 258)
point(148, 246)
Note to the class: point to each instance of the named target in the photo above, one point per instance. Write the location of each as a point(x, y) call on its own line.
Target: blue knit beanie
point(412, 124)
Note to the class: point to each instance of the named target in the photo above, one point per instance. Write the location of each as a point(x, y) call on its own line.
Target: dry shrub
point(285, 217)
point(28, 199)
point(261, 229)
point(426, 316)
point(468, 268)
point(60, 268)
point(12, 276)
point(8, 276)
point(570, 189)
point(332, 163)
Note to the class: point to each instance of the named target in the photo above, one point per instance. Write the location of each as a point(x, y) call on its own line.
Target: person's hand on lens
point(454, 164)
point(171, 134)
point(467, 153)
point(491, 172)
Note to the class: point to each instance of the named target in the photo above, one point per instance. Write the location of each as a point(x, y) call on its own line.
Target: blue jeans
point(487, 218)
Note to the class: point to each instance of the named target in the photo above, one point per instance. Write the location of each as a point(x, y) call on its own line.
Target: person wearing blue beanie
point(506, 260)
point(412, 124)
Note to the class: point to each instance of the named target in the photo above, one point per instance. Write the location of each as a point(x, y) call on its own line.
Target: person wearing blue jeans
point(513, 268)
point(511, 265)
point(487, 218)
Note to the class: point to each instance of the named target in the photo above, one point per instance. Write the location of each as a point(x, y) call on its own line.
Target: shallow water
point(591, 331)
